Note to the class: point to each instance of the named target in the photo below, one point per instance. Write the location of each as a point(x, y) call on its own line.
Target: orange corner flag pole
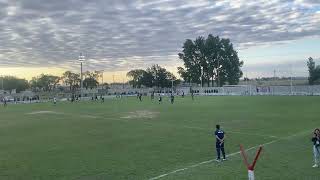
point(252, 166)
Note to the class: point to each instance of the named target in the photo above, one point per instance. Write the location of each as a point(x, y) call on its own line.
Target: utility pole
point(291, 80)
point(81, 60)
point(201, 76)
point(102, 71)
point(218, 81)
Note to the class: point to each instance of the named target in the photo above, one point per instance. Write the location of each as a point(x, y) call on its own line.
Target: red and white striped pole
point(245, 159)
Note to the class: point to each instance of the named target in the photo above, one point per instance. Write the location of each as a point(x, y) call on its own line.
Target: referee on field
point(220, 137)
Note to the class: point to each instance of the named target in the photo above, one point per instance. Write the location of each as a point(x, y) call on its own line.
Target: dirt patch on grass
point(43, 112)
point(141, 115)
point(89, 116)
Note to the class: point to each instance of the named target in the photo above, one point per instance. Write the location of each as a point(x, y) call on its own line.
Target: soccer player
point(316, 147)
point(4, 102)
point(220, 137)
point(192, 95)
point(140, 97)
point(172, 98)
point(102, 98)
point(54, 100)
point(160, 99)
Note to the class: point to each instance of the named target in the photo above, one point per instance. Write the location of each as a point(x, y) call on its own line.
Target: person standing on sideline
point(316, 147)
point(220, 137)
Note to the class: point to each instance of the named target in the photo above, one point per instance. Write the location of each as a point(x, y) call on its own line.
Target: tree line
point(47, 82)
point(154, 76)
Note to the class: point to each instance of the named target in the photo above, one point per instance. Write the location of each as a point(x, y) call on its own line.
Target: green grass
point(90, 140)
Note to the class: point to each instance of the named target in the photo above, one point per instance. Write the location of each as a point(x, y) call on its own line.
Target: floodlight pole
point(291, 80)
point(81, 83)
point(218, 73)
point(201, 76)
point(81, 59)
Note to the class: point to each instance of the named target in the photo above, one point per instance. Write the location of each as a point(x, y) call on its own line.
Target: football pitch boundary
point(276, 139)
point(228, 155)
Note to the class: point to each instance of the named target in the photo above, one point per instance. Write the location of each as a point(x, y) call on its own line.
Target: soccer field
point(128, 139)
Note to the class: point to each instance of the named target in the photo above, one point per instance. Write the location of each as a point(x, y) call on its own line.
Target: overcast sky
point(118, 35)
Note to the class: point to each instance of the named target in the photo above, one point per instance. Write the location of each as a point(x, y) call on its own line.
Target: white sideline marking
point(43, 112)
point(253, 134)
point(232, 132)
point(209, 161)
point(229, 155)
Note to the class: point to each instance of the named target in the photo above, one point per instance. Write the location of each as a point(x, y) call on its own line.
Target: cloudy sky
point(40, 36)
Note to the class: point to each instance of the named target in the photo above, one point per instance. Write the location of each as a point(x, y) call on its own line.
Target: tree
point(45, 81)
point(10, 83)
point(90, 82)
point(184, 74)
point(91, 79)
point(210, 59)
point(136, 75)
point(105, 86)
point(314, 72)
point(71, 79)
point(161, 77)
point(147, 79)
point(192, 65)
point(152, 76)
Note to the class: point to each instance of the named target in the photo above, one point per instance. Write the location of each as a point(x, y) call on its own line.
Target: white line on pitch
point(229, 155)
point(232, 132)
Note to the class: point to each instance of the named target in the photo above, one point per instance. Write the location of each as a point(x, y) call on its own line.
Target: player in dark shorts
point(192, 95)
point(172, 98)
point(140, 97)
point(5, 102)
point(160, 99)
point(220, 138)
point(102, 98)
